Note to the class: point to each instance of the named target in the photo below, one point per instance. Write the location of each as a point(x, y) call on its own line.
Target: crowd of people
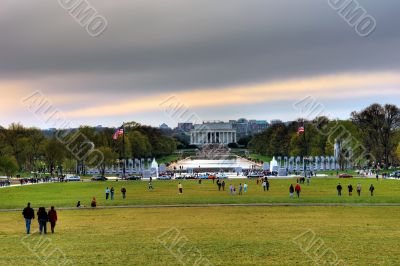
point(5, 183)
point(36, 180)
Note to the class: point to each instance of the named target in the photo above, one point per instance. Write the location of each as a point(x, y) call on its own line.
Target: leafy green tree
point(9, 165)
point(378, 125)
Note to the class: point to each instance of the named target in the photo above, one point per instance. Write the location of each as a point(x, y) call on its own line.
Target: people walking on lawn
point(219, 185)
point(245, 187)
point(52, 215)
point(240, 189)
point(350, 188)
point(94, 202)
point(42, 220)
point(291, 190)
point(180, 188)
point(339, 190)
point(371, 189)
point(150, 186)
point(359, 189)
point(107, 193)
point(264, 185)
point(29, 214)
point(112, 191)
point(223, 185)
point(298, 189)
point(267, 183)
point(123, 191)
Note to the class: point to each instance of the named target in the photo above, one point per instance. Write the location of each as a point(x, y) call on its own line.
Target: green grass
point(225, 236)
point(168, 159)
point(165, 192)
point(260, 157)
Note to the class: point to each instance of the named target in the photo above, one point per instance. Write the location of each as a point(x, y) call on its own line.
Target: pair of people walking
point(43, 218)
point(293, 189)
point(110, 193)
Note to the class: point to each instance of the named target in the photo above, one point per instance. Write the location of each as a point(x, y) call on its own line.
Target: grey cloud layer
point(177, 45)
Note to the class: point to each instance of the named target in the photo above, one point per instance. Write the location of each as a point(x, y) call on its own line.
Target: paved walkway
point(288, 204)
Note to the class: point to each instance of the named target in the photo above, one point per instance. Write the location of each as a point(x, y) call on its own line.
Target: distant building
point(246, 127)
point(185, 127)
point(165, 127)
point(212, 133)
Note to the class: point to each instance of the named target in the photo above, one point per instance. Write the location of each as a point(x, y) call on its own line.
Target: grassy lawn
point(165, 192)
point(168, 159)
point(263, 158)
point(223, 236)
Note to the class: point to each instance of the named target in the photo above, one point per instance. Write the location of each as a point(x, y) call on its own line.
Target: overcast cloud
point(157, 48)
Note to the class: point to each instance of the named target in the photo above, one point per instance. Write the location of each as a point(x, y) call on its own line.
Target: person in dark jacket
point(42, 219)
point(339, 189)
point(350, 188)
point(29, 215)
point(52, 216)
point(371, 189)
point(291, 190)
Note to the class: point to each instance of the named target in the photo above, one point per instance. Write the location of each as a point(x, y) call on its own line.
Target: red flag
point(300, 130)
point(119, 132)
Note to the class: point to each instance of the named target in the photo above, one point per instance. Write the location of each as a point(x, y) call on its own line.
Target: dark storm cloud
point(152, 46)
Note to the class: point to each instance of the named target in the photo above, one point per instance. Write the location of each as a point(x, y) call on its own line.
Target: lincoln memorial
point(215, 132)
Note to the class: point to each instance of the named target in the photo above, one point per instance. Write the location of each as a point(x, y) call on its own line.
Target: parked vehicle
point(395, 174)
point(99, 178)
point(345, 175)
point(255, 175)
point(222, 176)
point(164, 177)
point(203, 176)
point(133, 177)
point(72, 178)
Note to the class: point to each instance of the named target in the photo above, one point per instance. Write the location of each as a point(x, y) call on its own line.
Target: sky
point(177, 60)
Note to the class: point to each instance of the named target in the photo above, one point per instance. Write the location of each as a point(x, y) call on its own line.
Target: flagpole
point(306, 151)
point(123, 149)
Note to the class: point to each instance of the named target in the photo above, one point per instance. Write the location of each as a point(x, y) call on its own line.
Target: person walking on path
point(339, 190)
point(291, 190)
point(94, 202)
point(359, 189)
point(350, 188)
point(42, 219)
point(180, 188)
point(298, 189)
point(245, 188)
point(29, 215)
point(52, 215)
point(240, 189)
point(371, 189)
point(223, 185)
point(107, 193)
point(123, 191)
point(112, 192)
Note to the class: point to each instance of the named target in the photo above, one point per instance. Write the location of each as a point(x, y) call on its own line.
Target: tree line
point(370, 136)
point(25, 149)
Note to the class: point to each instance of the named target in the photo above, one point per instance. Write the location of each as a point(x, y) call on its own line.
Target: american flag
point(118, 132)
point(300, 130)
